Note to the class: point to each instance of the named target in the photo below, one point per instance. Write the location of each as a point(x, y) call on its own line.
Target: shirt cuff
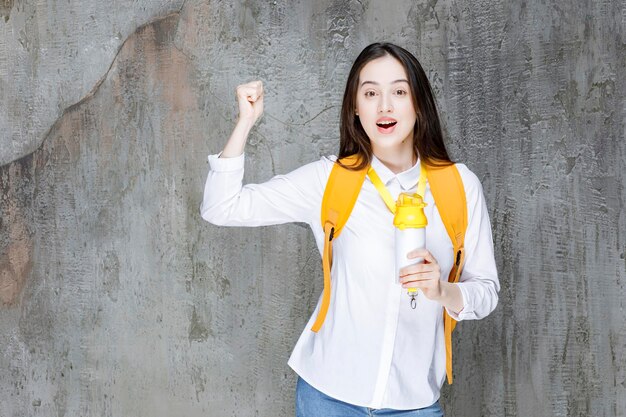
point(466, 312)
point(226, 164)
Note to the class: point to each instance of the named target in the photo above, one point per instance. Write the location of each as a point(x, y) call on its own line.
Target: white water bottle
point(410, 222)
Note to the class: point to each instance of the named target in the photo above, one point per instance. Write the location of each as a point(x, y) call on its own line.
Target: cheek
point(410, 116)
point(368, 109)
point(361, 106)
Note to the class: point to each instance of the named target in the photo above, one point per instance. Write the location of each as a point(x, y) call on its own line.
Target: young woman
point(374, 355)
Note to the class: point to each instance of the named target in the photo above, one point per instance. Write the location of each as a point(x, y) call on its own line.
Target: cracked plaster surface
point(114, 293)
point(51, 57)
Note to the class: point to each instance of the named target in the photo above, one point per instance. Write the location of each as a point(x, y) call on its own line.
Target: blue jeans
point(313, 403)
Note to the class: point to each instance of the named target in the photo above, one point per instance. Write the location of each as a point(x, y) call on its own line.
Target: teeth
point(386, 123)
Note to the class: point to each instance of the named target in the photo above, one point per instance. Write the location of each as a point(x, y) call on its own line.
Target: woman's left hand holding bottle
point(427, 277)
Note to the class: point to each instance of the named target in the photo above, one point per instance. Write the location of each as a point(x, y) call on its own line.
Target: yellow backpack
point(343, 188)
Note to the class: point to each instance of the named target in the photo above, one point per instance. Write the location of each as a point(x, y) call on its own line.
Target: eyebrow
point(375, 83)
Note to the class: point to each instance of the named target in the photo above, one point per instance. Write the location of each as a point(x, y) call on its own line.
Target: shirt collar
point(407, 179)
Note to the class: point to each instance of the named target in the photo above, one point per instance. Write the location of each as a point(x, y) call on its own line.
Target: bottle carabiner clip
point(413, 294)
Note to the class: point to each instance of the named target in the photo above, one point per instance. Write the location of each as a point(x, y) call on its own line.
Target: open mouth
point(386, 127)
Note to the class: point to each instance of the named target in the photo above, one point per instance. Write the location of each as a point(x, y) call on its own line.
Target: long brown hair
point(428, 141)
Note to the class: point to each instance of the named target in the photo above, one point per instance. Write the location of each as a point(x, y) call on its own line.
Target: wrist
point(245, 124)
point(443, 291)
point(450, 296)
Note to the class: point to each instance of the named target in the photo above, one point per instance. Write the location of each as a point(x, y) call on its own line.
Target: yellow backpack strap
point(447, 188)
point(342, 189)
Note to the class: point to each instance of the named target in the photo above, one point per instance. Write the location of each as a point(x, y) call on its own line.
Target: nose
point(385, 105)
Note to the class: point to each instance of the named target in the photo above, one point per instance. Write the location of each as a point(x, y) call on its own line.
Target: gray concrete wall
point(116, 299)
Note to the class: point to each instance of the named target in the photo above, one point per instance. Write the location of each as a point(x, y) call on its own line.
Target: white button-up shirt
point(373, 349)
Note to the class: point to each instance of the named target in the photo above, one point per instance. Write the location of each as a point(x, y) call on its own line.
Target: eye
point(401, 92)
point(370, 93)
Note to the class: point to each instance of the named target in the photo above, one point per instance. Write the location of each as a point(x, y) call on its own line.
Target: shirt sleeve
point(478, 282)
point(292, 197)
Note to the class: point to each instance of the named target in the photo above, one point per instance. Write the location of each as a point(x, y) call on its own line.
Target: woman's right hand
point(250, 99)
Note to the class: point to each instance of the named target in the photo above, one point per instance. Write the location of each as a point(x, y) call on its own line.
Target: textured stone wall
point(116, 299)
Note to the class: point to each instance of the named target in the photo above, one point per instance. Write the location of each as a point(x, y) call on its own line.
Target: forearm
point(237, 141)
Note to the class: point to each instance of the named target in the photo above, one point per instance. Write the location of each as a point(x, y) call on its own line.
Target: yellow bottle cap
point(410, 212)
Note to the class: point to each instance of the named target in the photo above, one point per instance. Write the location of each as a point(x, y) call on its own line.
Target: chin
point(388, 141)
